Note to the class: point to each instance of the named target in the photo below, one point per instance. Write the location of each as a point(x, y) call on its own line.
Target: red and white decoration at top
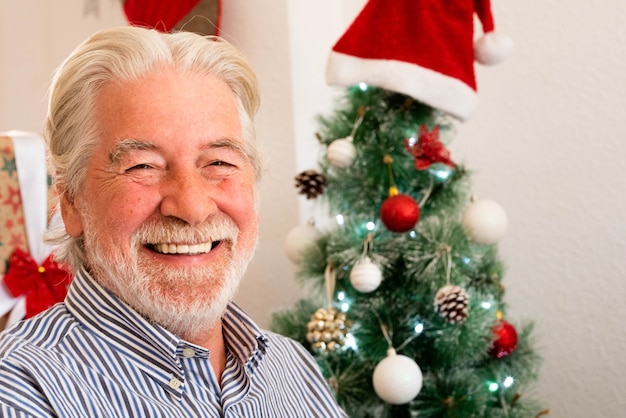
point(422, 48)
point(168, 15)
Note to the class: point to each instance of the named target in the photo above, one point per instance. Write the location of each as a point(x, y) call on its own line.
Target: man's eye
point(219, 163)
point(139, 167)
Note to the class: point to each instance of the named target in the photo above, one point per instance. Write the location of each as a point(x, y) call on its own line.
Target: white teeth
point(183, 248)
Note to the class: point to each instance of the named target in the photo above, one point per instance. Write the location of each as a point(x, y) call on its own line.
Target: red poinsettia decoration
point(42, 285)
point(428, 149)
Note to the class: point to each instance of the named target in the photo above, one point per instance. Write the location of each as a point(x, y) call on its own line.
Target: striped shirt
point(93, 356)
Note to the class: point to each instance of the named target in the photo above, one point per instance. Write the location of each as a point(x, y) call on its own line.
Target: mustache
point(174, 230)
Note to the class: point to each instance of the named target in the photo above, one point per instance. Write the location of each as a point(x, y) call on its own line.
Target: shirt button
point(189, 352)
point(175, 383)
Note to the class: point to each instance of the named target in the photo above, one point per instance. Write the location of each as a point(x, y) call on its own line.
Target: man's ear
point(71, 216)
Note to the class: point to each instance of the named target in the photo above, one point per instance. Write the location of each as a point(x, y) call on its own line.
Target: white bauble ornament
point(365, 276)
point(341, 152)
point(484, 221)
point(397, 379)
point(300, 238)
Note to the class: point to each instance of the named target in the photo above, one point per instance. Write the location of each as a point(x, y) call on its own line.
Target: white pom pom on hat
point(492, 48)
point(422, 48)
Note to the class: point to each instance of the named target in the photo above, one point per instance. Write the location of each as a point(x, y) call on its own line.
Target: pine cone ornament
point(310, 183)
point(451, 302)
point(327, 329)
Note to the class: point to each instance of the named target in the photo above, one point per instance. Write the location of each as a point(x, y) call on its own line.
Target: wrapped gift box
point(12, 225)
point(27, 204)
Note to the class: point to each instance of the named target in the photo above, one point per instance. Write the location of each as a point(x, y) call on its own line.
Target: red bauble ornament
point(399, 213)
point(505, 339)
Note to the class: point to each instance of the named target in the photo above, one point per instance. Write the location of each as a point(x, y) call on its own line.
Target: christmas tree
point(406, 313)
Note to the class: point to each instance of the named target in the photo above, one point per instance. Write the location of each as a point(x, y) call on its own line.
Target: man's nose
point(187, 195)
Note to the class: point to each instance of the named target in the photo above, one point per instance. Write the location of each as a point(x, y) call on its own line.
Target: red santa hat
point(422, 48)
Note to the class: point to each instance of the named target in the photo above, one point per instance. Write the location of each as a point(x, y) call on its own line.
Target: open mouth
point(185, 249)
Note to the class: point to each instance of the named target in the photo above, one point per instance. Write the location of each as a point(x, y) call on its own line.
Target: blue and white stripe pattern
point(93, 356)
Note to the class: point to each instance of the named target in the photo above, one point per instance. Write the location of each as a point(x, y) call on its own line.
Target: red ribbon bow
point(42, 285)
point(428, 149)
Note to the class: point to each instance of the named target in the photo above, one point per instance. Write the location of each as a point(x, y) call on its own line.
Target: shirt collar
point(152, 348)
point(243, 337)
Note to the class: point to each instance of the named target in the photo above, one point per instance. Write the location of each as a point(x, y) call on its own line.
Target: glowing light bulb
point(441, 174)
point(419, 328)
point(345, 307)
point(341, 295)
point(350, 342)
point(363, 86)
point(413, 234)
point(370, 226)
point(411, 141)
point(466, 260)
point(508, 382)
point(492, 386)
point(486, 305)
point(339, 219)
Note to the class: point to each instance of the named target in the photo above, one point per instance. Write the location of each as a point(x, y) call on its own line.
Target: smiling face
point(168, 209)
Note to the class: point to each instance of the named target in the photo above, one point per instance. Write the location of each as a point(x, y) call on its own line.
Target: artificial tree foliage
point(462, 377)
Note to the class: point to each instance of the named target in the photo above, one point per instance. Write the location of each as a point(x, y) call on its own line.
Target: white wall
point(35, 36)
point(546, 142)
point(261, 30)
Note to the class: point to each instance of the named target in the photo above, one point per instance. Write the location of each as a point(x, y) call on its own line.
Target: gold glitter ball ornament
point(327, 330)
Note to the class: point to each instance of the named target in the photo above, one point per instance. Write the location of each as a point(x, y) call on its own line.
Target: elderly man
point(152, 145)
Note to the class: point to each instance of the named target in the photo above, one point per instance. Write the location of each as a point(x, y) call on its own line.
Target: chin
point(189, 310)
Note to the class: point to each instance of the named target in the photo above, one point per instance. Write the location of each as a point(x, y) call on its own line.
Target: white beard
point(187, 301)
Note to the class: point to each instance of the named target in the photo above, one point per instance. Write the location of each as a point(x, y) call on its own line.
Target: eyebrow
point(129, 144)
point(230, 144)
point(126, 145)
